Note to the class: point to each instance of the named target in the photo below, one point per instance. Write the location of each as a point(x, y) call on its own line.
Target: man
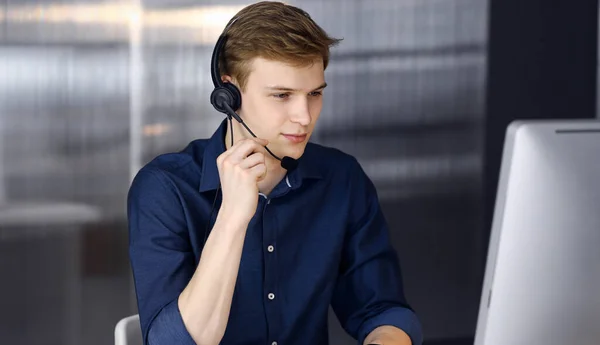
point(282, 245)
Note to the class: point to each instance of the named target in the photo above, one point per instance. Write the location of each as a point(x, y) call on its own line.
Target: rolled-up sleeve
point(168, 327)
point(369, 292)
point(161, 257)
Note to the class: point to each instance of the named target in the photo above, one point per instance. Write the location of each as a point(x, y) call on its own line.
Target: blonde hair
point(274, 31)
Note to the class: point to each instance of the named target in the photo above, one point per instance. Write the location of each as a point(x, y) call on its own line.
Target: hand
point(387, 335)
point(241, 167)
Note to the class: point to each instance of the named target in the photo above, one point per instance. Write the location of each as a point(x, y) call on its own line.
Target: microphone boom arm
point(233, 114)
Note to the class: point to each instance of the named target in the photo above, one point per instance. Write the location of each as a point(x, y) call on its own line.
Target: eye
point(281, 95)
point(316, 93)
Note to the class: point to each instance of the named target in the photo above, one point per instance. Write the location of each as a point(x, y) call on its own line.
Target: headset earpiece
point(227, 93)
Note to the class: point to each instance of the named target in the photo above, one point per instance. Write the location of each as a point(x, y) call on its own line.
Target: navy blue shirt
point(319, 238)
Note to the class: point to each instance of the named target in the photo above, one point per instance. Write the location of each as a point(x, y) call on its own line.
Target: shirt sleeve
point(369, 291)
point(161, 257)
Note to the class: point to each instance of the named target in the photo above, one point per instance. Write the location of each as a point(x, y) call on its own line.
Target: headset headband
point(214, 69)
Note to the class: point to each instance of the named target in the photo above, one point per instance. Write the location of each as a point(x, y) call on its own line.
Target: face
point(282, 104)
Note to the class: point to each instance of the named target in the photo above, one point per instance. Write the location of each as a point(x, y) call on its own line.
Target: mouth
point(295, 138)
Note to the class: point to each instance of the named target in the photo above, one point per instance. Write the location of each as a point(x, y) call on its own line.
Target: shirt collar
point(216, 145)
point(308, 167)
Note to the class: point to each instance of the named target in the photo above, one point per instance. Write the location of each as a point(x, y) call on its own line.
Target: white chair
point(128, 331)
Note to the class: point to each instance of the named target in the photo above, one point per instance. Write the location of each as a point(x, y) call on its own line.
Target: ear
point(227, 79)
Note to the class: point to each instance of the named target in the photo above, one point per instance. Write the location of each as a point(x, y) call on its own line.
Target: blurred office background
point(420, 92)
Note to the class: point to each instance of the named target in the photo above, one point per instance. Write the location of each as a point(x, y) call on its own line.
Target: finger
point(261, 141)
point(246, 145)
point(259, 171)
point(245, 149)
point(239, 142)
point(244, 141)
point(252, 160)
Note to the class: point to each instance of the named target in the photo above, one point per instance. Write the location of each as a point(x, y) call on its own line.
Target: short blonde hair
point(274, 31)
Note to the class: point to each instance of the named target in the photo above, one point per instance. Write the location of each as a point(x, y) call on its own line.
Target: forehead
point(266, 73)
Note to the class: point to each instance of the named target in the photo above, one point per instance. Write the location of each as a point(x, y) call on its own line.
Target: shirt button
point(271, 296)
point(270, 249)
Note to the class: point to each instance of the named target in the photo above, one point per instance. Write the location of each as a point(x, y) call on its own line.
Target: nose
point(301, 112)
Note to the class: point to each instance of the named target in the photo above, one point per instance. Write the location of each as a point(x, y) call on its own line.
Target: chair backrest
point(128, 331)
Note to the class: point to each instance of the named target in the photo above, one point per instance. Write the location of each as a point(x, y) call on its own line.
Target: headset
point(227, 98)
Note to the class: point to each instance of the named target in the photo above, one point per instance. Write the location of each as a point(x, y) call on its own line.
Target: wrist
point(232, 219)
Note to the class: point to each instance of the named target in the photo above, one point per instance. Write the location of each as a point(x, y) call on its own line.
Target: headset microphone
point(226, 98)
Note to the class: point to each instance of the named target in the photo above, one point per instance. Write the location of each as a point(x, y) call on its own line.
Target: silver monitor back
point(542, 279)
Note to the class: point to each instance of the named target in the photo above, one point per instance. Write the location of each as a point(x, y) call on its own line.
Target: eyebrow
point(283, 88)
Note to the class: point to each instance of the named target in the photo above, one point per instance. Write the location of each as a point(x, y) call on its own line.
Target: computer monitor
point(542, 278)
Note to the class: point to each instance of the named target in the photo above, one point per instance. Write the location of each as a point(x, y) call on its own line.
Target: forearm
point(388, 335)
point(205, 303)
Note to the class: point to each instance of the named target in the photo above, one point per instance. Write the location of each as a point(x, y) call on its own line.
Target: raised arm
point(178, 301)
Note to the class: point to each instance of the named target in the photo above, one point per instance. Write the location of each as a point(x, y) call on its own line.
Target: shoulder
point(332, 160)
point(346, 180)
point(333, 163)
point(183, 168)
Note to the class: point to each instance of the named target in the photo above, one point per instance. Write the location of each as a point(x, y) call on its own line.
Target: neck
point(275, 172)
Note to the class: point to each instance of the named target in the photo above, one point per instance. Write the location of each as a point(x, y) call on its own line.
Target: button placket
point(270, 274)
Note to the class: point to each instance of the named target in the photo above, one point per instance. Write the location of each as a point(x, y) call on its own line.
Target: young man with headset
point(241, 240)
